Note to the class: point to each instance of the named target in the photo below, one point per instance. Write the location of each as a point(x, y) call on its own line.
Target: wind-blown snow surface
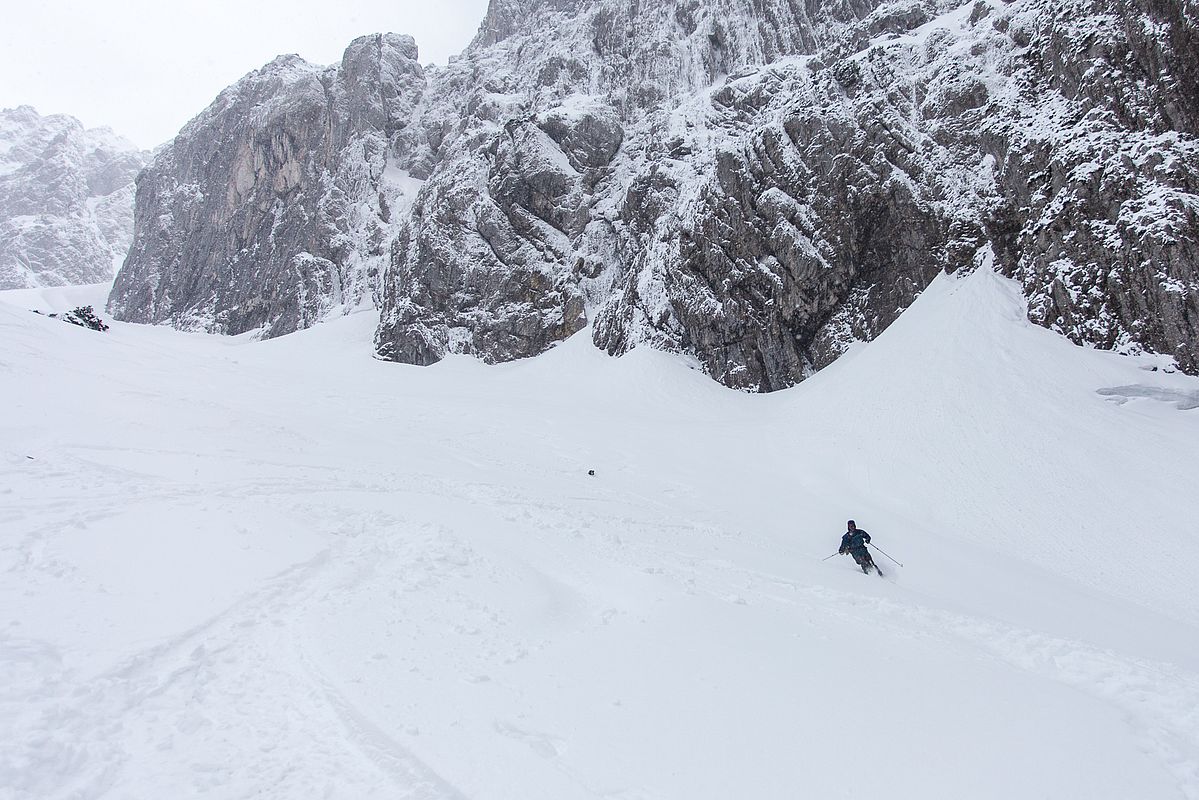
point(281, 569)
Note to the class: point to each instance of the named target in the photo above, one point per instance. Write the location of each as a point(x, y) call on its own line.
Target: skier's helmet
point(851, 525)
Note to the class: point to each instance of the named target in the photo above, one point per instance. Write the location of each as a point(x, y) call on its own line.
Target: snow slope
point(281, 569)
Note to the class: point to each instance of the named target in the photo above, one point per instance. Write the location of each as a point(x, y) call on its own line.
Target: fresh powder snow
point(283, 569)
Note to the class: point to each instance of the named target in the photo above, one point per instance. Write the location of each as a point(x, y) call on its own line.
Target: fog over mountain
point(66, 200)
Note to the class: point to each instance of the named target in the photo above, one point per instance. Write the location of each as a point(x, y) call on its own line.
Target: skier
point(854, 543)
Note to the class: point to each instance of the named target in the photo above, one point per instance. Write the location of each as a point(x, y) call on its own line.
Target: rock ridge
point(754, 184)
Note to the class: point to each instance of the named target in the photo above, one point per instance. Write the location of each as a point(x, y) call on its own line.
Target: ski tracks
point(1160, 701)
point(232, 707)
point(411, 777)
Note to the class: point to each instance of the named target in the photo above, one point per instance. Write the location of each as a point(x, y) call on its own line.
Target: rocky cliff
point(1095, 144)
point(753, 183)
point(275, 205)
point(66, 200)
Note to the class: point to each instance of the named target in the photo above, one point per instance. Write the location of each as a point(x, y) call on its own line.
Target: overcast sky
point(145, 67)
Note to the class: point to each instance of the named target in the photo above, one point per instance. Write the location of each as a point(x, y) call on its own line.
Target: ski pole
point(884, 552)
point(826, 558)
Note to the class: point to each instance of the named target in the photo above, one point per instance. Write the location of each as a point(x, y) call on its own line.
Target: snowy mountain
point(273, 206)
point(66, 200)
point(755, 185)
point(283, 569)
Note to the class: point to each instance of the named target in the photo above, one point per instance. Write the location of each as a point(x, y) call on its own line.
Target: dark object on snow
point(854, 539)
point(85, 317)
point(854, 543)
point(591, 472)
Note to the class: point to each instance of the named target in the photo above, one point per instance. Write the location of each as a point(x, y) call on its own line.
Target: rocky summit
point(754, 184)
point(66, 200)
point(277, 203)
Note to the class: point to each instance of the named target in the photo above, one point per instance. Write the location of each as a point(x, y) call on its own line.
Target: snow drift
point(284, 569)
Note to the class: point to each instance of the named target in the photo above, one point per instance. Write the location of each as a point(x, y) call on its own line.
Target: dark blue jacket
point(854, 540)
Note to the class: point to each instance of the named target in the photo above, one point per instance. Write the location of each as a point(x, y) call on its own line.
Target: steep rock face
point(788, 178)
point(814, 219)
point(1099, 167)
point(623, 92)
point(272, 207)
point(488, 263)
point(755, 184)
point(66, 200)
point(730, 224)
point(639, 55)
point(484, 266)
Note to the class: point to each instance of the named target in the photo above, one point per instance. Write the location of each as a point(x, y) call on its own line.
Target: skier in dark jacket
point(854, 543)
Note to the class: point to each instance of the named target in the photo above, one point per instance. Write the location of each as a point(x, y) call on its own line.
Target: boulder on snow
point(83, 316)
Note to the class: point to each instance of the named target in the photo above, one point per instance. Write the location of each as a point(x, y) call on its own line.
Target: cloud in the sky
point(145, 67)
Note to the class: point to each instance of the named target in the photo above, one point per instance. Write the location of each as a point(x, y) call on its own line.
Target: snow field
point(283, 569)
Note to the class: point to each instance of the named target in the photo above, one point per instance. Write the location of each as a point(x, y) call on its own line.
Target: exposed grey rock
point(730, 224)
point(272, 207)
point(66, 200)
point(764, 209)
point(753, 183)
point(484, 267)
point(1098, 165)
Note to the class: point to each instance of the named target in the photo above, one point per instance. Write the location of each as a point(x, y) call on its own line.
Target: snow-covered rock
point(66, 200)
point(271, 208)
point(788, 181)
point(756, 184)
point(1095, 141)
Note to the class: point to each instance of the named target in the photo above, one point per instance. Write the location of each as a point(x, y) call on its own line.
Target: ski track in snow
point(246, 652)
point(478, 621)
point(1161, 701)
point(156, 700)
